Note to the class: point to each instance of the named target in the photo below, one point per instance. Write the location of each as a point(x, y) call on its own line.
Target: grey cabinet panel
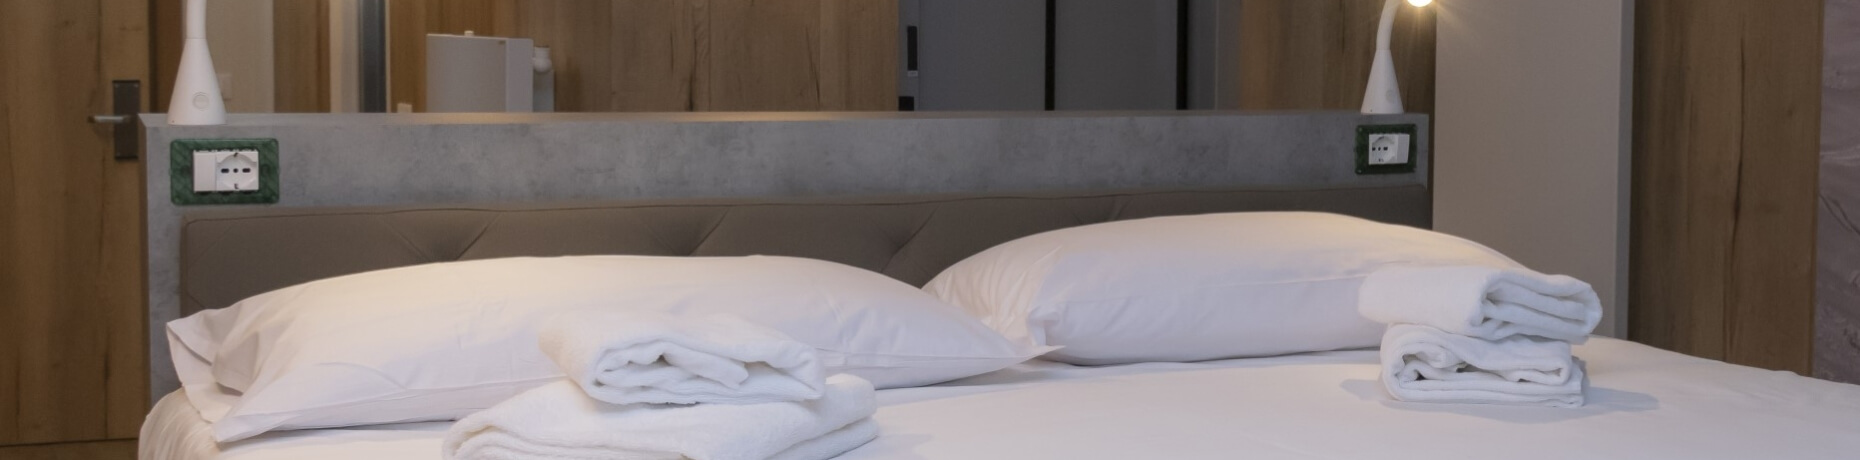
point(978, 54)
point(1116, 55)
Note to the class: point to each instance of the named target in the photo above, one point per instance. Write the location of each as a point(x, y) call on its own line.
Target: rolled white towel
point(647, 357)
point(559, 421)
point(1424, 364)
point(1484, 302)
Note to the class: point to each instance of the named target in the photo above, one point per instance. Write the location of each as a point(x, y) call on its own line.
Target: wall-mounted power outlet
point(1386, 149)
point(226, 171)
point(223, 171)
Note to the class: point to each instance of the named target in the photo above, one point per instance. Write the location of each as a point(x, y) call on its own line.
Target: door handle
point(127, 132)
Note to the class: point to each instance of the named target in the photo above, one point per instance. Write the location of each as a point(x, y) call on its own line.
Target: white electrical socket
point(1389, 149)
point(225, 171)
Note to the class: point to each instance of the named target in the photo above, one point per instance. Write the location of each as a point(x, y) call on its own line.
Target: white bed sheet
point(1644, 403)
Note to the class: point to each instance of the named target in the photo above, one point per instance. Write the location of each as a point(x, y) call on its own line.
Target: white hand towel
point(1424, 364)
point(646, 357)
point(1483, 302)
point(559, 421)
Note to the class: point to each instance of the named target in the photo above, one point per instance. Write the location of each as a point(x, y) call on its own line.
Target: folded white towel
point(1483, 302)
point(559, 421)
point(1424, 364)
point(645, 357)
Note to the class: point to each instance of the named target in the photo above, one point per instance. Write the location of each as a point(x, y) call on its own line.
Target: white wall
point(1532, 130)
point(241, 35)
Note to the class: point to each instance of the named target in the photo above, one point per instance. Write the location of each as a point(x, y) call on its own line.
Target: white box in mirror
point(472, 74)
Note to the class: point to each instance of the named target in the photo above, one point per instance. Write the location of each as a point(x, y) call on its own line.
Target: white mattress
point(1643, 403)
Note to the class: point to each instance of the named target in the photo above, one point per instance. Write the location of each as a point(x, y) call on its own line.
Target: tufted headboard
point(224, 254)
point(905, 194)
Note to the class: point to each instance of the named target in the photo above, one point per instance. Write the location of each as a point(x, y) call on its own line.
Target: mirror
point(806, 55)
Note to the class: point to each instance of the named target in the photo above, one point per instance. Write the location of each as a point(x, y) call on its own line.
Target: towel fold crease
point(560, 421)
point(1425, 364)
point(644, 357)
point(1484, 302)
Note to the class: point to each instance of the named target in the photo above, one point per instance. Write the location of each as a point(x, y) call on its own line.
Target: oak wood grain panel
point(858, 55)
point(763, 56)
point(654, 56)
point(69, 281)
point(10, 277)
point(1723, 208)
point(301, 54)
point(124, 449)
point(127, 45)
point(1771, 304)
point(1316, 54)
point(407, 29)
point(53, 60)
point(587, 28)
point(1687, 146)
point(460, 16)
point(165, 31)
point(685, 55)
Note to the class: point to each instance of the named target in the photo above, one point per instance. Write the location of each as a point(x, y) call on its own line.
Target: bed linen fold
point(1425, 364)
point(559, 421)
point(1485, 302)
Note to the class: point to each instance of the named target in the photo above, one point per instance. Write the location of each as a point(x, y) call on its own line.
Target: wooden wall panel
point(70, 310)
point(1727, 106)
point(126, 41)
point(763, 56)
point(105, 450)
point(653, 63)
point(301, 52)
point(409, 21)
point(856, 71)
point(685, 55)
point(1316, 54)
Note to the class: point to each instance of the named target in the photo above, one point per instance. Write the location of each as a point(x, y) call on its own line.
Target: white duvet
point(1643, 403)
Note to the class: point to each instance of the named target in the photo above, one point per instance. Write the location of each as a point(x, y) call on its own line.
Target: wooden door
point(72, 333)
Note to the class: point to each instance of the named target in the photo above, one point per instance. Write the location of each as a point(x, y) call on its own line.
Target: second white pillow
point(1194, 288)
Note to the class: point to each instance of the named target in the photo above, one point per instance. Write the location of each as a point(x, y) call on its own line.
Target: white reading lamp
point(196, 100)
point(1384, 93)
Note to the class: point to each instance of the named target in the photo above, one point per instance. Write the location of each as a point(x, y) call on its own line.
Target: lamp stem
point(1383, 93)
point(1386, 34)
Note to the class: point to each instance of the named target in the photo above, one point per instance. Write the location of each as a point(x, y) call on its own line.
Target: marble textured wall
point(1837, 296)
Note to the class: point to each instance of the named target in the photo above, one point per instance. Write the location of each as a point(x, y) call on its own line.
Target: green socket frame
point(1362, 149)
point(181, 172)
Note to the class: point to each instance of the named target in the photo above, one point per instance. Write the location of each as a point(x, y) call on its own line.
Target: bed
point(1642, 402)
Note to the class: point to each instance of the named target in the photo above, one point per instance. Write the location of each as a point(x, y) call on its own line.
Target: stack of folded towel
point(1481, 335)
point(645, 385)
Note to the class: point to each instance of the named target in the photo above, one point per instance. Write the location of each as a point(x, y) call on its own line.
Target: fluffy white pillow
point(1193, 288)
point(438, 342)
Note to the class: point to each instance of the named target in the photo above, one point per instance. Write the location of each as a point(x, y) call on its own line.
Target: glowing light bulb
point(1420, 3)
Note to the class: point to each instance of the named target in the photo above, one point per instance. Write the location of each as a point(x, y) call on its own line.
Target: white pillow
point(437, 342)
point(1193, 288)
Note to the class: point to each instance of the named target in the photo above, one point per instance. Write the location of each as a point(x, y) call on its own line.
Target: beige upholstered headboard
point(905, 194)
point(228, 256)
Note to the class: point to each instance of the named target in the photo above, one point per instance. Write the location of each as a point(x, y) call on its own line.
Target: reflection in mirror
point(805, 55)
